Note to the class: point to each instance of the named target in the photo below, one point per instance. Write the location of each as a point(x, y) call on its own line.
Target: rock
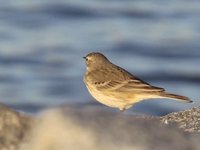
point(92, 128)
point(188, 120)
point(13, 127)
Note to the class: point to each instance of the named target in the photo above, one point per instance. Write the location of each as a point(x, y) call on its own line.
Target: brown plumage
point(115, 87)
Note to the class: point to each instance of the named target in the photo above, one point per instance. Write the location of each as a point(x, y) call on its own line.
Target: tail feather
point(176, 97)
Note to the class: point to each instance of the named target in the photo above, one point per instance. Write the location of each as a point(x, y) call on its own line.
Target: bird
point(115, 87)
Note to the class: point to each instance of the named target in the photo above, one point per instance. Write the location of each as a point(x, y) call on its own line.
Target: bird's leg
point(122, 110)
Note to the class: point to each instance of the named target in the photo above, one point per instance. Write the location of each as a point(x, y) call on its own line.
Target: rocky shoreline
point(74, 128)
point(188, 120)
point(13, 128)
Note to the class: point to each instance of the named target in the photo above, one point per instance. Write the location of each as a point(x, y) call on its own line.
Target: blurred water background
point(42, 44)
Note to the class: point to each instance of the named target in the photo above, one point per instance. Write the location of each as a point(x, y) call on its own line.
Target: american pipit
point(115, 87)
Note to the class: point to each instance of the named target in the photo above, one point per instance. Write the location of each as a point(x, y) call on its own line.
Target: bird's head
point(95, 60)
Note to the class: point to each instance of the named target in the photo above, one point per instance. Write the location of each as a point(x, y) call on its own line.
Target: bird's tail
point(175, 97)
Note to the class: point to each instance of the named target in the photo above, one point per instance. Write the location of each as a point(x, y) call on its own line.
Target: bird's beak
point(84, 57)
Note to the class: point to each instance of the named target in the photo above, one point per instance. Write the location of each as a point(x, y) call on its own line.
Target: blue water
point(42, 44)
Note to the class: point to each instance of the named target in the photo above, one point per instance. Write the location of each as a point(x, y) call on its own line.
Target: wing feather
point(107, 79)
point(128, 86)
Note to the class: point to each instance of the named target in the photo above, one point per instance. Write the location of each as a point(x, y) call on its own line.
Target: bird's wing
point(108, 80)
point(127, 86)
point(138, 86)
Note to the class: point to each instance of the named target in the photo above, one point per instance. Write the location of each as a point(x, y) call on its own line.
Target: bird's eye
point(85, 58)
